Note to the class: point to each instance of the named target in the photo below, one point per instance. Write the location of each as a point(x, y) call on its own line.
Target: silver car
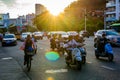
point(111, 35)
point(24, 35)
point(9, 39)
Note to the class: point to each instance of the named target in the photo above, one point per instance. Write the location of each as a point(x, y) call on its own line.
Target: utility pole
point(85, 17)
point(104, 19)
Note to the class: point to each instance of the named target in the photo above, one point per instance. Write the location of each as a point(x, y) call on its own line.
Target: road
point(44, 69)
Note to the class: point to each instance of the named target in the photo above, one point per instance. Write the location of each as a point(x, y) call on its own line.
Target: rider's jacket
point(101, 43)
point(71, 43)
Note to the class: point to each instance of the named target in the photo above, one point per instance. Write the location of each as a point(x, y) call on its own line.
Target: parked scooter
point(108, 52)
point(76, 56)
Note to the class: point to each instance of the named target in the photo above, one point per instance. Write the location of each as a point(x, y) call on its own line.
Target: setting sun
point(55, 12)
point(55, 7)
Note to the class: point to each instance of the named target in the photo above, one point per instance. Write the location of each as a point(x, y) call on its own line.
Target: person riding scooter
point(101, 43)
point(69, 47)
point(103, 48)
point(53, 42)
point(60, 43)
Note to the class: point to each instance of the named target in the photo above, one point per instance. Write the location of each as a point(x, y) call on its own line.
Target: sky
point(22, 7)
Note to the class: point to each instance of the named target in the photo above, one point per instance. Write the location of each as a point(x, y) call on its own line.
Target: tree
point(72, 18)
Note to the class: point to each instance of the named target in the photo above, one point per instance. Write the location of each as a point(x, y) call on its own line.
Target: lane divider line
point(106, 67)
point(56, 71)
point(7, 58)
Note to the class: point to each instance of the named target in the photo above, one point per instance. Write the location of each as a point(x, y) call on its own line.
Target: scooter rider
point(101, 43)
point(79, 39)
point(60, 42)
point(52, 42)
point(70, 45)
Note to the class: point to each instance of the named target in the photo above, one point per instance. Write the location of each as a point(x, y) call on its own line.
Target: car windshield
point(111, 33)
point(9, 36)
point(38, 33)
point(24, 34)
point(64, 33)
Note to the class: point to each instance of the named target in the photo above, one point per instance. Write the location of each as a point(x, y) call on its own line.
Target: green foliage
point(30, 28)
point(72, 18)
point(3, 30)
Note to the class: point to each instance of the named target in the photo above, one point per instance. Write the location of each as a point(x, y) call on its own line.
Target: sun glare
point(55, 7)
point(55, 12)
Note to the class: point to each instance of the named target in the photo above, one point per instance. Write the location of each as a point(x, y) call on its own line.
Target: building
point(21, 23)
point(112, 12)
point(39, 8)
point(13, 21)
point(29, 18)
point(4, 20)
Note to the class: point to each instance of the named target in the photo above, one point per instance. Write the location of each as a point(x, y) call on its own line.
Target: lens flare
point(50, 78)
point(52, 56)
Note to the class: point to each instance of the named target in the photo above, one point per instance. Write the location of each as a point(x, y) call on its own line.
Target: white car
point(9, 39)
point(84, 34)
point(38, 35)
point(72, 33)
point(64, 35)
point(24, 35)
point(112, 36)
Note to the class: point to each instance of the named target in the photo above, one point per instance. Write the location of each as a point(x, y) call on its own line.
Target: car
point(49, 34)
point(72, 33)
point(38, 35)
point(84, 33)
point(24, 35)
point(112, 36)
point(9, 39)
point(64, 35)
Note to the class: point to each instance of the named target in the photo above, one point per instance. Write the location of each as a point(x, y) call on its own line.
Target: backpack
point(29, 46)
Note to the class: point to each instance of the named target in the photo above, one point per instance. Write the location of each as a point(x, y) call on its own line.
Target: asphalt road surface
point(45, 69)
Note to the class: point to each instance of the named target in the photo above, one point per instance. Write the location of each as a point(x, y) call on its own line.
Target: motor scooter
point(108, 52)
point(52, 43)
point(75, 56)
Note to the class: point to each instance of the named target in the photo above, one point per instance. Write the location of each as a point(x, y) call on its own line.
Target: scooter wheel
point(67, 63)
point(97, 56)
point(79, 65)
point(110, 57)
point(83, 59)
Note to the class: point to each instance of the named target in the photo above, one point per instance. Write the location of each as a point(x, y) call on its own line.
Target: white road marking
point(106, 67)
point(41, 48)
point(7, 58)
point(56, 71)
point(88, 62)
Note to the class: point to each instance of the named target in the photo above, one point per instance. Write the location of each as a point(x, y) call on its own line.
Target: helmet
point(70, 37)
point(104, 34)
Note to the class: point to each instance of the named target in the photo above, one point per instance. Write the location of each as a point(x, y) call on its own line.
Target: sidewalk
point(10, 69)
